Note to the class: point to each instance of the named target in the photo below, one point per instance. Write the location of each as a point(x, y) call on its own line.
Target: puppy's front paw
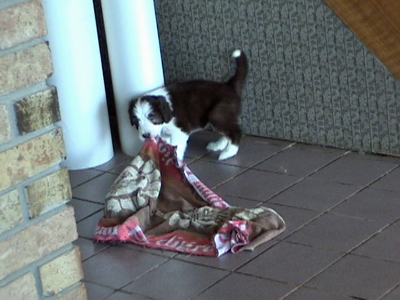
point(212, 146)
point(228, 152)
point(218, 145)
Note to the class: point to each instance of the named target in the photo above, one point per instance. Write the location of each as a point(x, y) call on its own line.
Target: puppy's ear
point(132, 117)
point(164, 109)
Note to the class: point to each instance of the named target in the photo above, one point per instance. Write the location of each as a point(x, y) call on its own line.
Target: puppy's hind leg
point(223, 120)
point(229, 142)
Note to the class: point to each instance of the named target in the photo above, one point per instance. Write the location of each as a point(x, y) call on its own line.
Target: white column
point(135, 59)
point(78, 77)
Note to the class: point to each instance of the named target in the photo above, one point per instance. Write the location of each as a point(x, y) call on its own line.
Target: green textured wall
point(311, 80)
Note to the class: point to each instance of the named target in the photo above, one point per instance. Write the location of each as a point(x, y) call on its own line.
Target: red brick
point(37, 111)
point(21, 23)
point(22, 288)
point(26, 160)
point(25, 68)
point(49, 192)
point(37, 241)
point(61, 273)
point(11, 211)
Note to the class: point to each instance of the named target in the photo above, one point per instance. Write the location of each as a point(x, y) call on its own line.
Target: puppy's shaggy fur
point(177, 110)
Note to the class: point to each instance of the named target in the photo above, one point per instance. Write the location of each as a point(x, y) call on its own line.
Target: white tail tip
point(236, 53)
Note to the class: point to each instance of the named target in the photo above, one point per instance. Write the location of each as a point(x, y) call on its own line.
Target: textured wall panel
point(311, 80)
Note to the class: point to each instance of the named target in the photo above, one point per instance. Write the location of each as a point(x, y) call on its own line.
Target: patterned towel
point(158, 202)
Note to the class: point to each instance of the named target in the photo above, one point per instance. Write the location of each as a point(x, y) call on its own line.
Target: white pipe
point(135, 59)
point(78, 77)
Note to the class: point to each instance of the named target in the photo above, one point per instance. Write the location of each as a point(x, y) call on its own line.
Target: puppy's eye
point(156, 119)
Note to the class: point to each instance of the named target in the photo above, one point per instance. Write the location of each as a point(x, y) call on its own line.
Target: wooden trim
point(377, 24)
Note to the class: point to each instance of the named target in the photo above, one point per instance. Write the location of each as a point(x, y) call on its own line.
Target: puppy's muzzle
point(146, 135)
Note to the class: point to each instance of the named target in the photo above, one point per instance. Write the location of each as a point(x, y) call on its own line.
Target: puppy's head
point(148, 114)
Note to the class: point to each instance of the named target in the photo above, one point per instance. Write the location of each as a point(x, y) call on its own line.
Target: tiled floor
point(342, 241)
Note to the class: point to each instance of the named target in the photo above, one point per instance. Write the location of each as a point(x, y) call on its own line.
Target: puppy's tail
point(238, 80)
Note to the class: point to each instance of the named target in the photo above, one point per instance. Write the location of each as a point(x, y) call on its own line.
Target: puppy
point(177, 110)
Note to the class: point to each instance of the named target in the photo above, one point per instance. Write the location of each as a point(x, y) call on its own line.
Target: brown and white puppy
point(177, 110)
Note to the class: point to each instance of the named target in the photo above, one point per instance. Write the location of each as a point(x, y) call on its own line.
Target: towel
point(158, 202)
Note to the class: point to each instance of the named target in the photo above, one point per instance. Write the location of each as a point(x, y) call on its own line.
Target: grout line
point(346, 198)
point(332, 207)
point(120, 289)
point(347, 253)
point(90, 215)
point(86, 181)
point(87, 200)
point(245, 169)
point(106, 246)
point(210, 286)
point(328, 210)
point(389, 291)
point(147, 272)
point(289, 186)
point(323, 213)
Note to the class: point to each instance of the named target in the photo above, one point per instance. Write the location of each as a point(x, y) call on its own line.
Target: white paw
point(212, 146)
point(228, 152)
point(180, 152)
point(218, 145)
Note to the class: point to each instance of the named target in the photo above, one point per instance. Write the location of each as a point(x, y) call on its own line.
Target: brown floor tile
point(197, 144)
point(241, 202)
point(393, 294)
point(82, 176)
point(358, 277)
point(176, 280)
point(95, 189)
point(84, 208)
point(314, 194)
point(294, 218)
point(385, 245)
point(389, 182)
point(313, 294)
point(116, 267)
point(213, 174)
point(239, 286)
point(118, 159)
point(252, 150)
point(356, 169)
point(298, 161)
point(98, 292)
point(256, 185)
point(370, 204)
point(291, 263)
point(155, 251)
point(89, 248)
point(87, 227)
point(126, 296)
point(335, 232)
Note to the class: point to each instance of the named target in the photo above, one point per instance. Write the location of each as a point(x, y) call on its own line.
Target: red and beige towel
point(158, 202)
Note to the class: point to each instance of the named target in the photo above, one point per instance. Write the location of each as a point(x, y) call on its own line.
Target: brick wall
point(37, 226)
